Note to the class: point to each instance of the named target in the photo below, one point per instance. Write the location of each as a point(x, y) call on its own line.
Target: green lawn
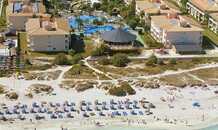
point(23, 43)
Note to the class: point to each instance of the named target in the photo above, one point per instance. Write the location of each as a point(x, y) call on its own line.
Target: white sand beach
point(174, 107)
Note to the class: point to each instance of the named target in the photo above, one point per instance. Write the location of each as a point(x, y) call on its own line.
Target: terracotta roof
point(34, 27)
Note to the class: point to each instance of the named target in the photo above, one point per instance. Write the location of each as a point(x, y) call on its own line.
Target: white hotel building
point(176, 32)
point(205, 11)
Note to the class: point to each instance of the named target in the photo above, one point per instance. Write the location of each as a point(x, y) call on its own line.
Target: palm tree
point(79, 22)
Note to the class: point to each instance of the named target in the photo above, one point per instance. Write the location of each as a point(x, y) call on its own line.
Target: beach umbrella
point(85, 115)
point(35, 104)
point(52, 104)
point(113, 107)
point(24, 111)
point(66, 109)
point(69, 115)
point(82, 109)
point(58, 104)
point(97, 103)
point(89, 108)
point(9, 112)
point(121, 107)
point(53, 116)
point(135, 106)
point(125, 113)
point(196, 104)
point(105, 107)
point(97, 108)
point(118, 113)
point(1, 113)
point(33, 110)
point(151, 105)
point(83, 103)
point(102, 114)
point(60, 116)
point(133, 112)
point(21, 117)
point(72, 109)
point(141, 113)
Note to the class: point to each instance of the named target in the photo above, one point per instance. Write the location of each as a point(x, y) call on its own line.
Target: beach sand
point(177, 107)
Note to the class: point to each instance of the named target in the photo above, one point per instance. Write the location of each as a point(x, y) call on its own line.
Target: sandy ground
point(177, 105)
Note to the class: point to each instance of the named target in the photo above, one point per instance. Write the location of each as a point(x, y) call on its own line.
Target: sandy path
point(94, 69)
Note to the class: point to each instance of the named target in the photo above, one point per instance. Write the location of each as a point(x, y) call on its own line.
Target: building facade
point(200, 9)
point(45, 35)
point(213, 22)
point(175, 31)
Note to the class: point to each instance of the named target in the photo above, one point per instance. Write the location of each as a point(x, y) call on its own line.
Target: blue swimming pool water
point(93, 29)
point(17, 7)
point(85, 18)
point(89, 29)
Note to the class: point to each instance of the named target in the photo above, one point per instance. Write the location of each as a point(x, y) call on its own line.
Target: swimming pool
point(89, 29)
point(87, 19)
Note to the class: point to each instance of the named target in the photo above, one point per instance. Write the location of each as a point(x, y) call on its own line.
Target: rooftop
point(206, 5)
point(47, 26)
point(214, 16)
point(25, 7)
point(174, 24)
point(154, 6)
point(118, 36)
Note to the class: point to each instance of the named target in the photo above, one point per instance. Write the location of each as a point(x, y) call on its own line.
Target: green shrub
point(76, 59)
point(128, 88)
point(2, 90)
point(122, 90)
point(100, 51)
point(71, 52)
point(117, 91)
point(104, 61)
point(61, 59)
point(173, 61)
point(120, 60)
point(152, 60)
point(76, 69)
point(160, 62)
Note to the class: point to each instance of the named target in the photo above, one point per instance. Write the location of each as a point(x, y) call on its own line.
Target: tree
point(76, 59)
point(104, 61)
point(133, 23)
point(100, 51)
point(152, 60)
point(120, 60)
point(71, 52)
point(61, 59)
point(132, 10)
point(79, 22)
point(183, 5)
point(96, 6)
